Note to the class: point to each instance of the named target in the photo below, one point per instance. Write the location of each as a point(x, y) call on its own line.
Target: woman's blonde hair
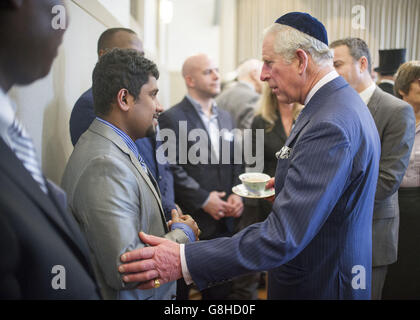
point(268, 106)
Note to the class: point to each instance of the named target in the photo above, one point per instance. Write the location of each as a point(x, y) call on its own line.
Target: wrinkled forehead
point(268, 44)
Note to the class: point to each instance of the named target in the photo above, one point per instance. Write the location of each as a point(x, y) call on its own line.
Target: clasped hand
point(179, 217)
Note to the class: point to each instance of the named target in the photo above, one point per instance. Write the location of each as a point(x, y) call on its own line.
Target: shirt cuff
point(185, 272)
point(186, 229)
point(205, 202)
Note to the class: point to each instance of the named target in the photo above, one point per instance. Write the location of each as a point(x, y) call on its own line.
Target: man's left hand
point(160, 261)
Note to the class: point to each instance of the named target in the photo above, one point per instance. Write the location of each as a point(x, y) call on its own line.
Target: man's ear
point(123, 100)
point(303, 59)
point(189, 81)
point(364, 65)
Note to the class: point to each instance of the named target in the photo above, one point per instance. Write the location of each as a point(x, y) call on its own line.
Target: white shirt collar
point(387, 81)
point(367, 93)
point(323, 81)
point(7, 115)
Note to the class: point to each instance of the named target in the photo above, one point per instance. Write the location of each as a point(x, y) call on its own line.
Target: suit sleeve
point(188, 192)
point(246, 117)
point(9, 257)
point(315, 180)
point(81, 118)
point(396, 144)
point(107, 200)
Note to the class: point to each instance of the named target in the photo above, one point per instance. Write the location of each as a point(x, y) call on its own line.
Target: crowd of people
point(127, 223)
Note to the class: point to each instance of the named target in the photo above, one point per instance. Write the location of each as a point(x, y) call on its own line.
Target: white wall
point(45, 106)
point(120, 9)
point(191, 31)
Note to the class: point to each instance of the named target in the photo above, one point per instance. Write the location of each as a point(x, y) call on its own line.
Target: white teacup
point(254, 182)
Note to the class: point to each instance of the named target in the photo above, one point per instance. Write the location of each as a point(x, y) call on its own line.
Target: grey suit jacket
point(113, 199)
point(239, 100)
point(395, 122)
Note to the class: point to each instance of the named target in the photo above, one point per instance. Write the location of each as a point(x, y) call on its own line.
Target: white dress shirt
point(368, 93)
point(7, 115)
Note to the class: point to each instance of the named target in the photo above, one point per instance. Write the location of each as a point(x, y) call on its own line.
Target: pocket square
point(284, 153)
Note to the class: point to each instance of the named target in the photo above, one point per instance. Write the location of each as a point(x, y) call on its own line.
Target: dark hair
point(357, 47)
point(105, 39)
point(119, 69)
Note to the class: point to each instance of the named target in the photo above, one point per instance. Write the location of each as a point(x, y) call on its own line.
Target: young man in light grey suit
point(110, 190)
point(396, 126)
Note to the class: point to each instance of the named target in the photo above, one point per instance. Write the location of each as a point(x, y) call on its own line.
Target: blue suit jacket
point(82, 116)
point(317, 241)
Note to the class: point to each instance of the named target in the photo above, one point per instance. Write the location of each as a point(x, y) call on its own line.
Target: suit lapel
point(314, 106)
point(109, 134)
point(12, 166)
point(374, 101)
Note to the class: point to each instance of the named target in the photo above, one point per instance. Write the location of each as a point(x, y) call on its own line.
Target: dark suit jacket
point(387, 87)
point(194, 182)
point(396, 123)
point(317, 242)
point(83, 115)
point(36, 234)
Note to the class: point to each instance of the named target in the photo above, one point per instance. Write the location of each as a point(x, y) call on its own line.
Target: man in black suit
point(43, 254)
point(206, 192)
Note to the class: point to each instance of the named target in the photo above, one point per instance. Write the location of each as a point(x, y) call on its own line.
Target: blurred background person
point(403, 280)
point(240, 99)
point(207, 192)
point(395, 122)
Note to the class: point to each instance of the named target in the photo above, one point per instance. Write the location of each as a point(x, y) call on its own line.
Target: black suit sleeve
point(9, 256)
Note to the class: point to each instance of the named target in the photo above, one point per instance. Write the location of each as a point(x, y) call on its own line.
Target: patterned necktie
point(23, 148)
point(142, 163)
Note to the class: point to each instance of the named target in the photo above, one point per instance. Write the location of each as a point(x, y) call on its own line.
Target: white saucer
point(240, 190)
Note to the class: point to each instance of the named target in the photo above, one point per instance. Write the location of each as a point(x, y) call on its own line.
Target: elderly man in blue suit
point(317, 241)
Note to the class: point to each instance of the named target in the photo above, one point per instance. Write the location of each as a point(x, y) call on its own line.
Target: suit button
point(160, 177)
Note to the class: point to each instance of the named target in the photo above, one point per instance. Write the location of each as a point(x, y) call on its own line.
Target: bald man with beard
point(206, 193)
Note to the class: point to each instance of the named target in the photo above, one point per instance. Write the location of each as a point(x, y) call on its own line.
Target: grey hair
point(357, 48)
point(249, 66)
point(288, 40)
